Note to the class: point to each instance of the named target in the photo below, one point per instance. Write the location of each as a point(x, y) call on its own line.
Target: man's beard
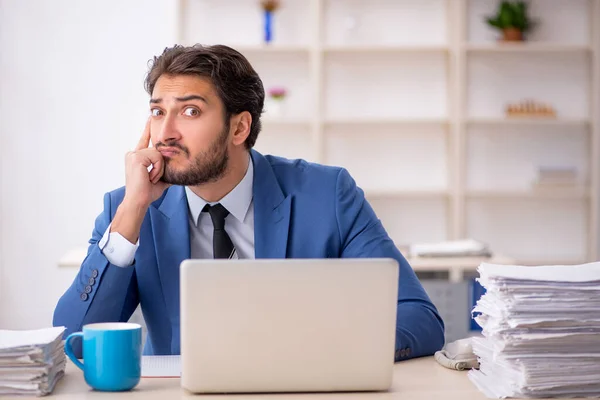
point(207, 166)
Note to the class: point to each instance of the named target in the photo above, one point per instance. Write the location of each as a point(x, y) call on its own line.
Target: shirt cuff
point(117, 250)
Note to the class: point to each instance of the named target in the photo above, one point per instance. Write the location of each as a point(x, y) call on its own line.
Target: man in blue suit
point(201, 191)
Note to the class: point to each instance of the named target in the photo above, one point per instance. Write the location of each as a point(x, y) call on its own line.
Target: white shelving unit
point(409, 95)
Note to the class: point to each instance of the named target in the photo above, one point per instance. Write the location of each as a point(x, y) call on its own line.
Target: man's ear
point(240, 126)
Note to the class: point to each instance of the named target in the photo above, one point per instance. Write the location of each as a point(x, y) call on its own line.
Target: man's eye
point(191, 112)
point(155, 112)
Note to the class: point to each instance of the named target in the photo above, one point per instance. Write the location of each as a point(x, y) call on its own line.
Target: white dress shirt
point(239, 225)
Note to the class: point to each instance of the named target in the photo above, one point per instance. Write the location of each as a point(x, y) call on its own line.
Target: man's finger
point(149, 156)
point(156, 170)
point(145, 139)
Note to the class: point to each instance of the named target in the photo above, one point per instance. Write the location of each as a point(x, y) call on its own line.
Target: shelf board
point(538, 193)
point(386, 121)
point(526, 47)
point(296, 122)
point(350, 49)
point(525, 121)
point(263, 48)
point(405, 194)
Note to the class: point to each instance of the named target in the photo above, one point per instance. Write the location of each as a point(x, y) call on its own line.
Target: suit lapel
point(172, 244)
point(272, 210)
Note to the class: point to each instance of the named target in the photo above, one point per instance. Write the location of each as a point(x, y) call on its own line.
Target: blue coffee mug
point(112, 355)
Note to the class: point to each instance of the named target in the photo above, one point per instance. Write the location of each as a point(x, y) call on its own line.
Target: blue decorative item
point(269, 7)
point(268, 26)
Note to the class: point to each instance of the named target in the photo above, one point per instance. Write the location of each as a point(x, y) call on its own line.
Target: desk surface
point(413, 379)
point(75, 257)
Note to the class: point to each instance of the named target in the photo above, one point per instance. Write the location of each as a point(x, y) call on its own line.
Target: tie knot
point(218, 213)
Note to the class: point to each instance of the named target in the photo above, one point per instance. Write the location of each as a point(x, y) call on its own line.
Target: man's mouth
point(169, 151)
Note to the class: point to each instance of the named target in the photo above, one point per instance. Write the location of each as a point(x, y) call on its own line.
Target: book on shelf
point(557, 177)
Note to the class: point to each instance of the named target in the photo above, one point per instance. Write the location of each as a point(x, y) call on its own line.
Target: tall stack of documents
point(31, 362)
point(541, 331)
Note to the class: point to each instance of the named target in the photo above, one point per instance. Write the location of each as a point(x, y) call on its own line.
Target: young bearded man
point(202, 191)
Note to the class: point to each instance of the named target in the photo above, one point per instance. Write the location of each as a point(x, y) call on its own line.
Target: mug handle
point(69, 349)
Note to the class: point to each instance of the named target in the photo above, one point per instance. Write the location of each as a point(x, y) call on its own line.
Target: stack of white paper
point(541, 331)
point(31, 362)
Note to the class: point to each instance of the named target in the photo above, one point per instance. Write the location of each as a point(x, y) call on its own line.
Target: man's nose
point(168, 131)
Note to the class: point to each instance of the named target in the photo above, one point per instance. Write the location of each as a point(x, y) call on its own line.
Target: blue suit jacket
point(301, 210)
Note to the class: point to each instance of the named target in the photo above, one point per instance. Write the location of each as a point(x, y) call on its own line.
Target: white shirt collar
point(237, 202)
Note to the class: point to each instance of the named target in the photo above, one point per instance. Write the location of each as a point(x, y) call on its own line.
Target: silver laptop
point(294, 325)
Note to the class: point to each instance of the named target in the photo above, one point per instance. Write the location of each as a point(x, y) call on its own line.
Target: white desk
point(415, 379)
point(456, 266)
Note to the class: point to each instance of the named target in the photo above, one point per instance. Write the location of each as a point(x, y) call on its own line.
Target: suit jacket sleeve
point(419, 327)
point(101, 292)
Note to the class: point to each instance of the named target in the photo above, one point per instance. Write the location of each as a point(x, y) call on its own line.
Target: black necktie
point(222, 244)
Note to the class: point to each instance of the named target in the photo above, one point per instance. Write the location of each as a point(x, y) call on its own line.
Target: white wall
point(71, 104)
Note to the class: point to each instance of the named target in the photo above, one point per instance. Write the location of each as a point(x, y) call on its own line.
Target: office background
point(409, 95)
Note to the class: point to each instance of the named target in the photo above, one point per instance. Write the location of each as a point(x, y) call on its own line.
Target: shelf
point(455, 266)
point(525, 121)
point(295, 122)
point(387, 121)
point(350, 49)
point(408, 115)
point(526, 47)
point(405, 194)
point(261, 48)
point(541, 193)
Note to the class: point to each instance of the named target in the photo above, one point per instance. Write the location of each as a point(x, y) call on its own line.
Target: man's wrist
point(128, 219)
point(133, 205)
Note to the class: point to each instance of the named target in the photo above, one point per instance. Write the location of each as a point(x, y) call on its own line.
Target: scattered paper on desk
point(541, 331)
point(31, 362)
point(161, 366)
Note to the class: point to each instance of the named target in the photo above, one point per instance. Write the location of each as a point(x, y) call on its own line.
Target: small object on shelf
point(512, 19)
point(277, 92)
point(551, 177)
point(454, 248)
point(269, 7)
point(530, 108)
point(276, 100)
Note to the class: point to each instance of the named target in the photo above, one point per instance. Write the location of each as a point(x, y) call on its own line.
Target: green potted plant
point(512, 19)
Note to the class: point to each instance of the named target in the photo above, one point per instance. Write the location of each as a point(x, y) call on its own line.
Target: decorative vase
point(275, 108)
point(512, 35)
point(268, 26)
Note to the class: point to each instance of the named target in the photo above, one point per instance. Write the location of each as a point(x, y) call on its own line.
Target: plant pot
point(512, 35)
point(275, 108)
